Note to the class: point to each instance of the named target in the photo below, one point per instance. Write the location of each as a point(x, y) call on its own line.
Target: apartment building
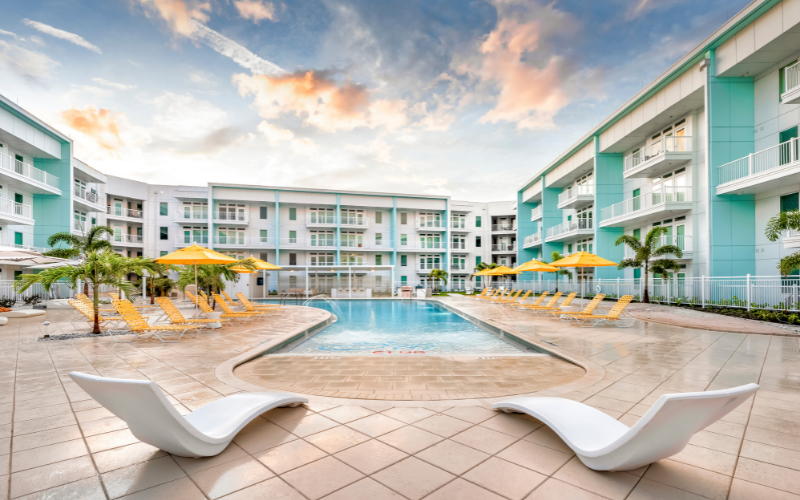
point(709, 150)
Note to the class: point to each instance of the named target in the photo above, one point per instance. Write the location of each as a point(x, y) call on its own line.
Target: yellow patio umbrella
point(535, 266)
point(194, 255)
point(497, 271)
point(581, 260)
point(260, 266)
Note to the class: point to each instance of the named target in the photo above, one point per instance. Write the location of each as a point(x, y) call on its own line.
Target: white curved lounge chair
point(153, 420)
point(604, 443)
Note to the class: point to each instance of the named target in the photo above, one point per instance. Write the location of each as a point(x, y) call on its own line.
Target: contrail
point(239, 54)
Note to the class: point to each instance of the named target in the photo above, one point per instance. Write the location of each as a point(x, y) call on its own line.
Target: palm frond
point(782, 222)
point(651, 239)
point(629, 263)
point(630, 240)
point(667, 250)
point(787, 265)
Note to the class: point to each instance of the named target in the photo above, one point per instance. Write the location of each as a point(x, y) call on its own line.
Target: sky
point(465, 98)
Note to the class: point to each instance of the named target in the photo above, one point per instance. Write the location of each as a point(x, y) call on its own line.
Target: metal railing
point(231, 216)
point(783, 154)
point(355, 221)
point(87, 195)
point(458, 224)
point(198, 216)
point(504, 247)
point(575, 191)
point(12, 208)
point(536, 213)
point(430, 223)
point(238, 240)
point(669, 144)
point(684, 242)
point(569, 227)
point(504, 227)
point(458, 245)
point(11, 164)
point(666, 194)
point(321, 218)
point(125, 212)
point(424, 245)
point(424, 267)
point(126, 238)
point(188, 240)
point(533, 239)
point(791, 77)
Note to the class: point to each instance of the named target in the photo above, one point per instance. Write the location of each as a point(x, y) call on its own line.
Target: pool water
point(399, 327)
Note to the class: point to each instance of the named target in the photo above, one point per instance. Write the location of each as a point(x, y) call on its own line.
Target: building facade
point(708, 150)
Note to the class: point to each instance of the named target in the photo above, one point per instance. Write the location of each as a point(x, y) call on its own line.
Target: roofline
point(34, 119)
point(326, 191)
point(731, 27)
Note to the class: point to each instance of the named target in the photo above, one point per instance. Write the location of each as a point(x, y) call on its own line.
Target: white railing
point(82, 226)
point(425, 267)
point(11, 164)
point(10, 207)
point(458, 245)
point(569, 226)
point(574, 192)
point(430, 223)
point(126, 238)
point(458, 224)
point(536, 213)
point(124, 212)
point(458, 267)
point(321, 218)
point(666, 194)
point(791, 77)
point(669, 144)
point(231, 216)
point(783, 154)
point(25, 247)
point(237, 240)
point(189, 240)
point(425, 245)
point(504, 247)
point(87, 195)
point(355, 221)
point(322, 242)
point(533, 239)
point(198, 216)
point(684, 242)
point(504, 227)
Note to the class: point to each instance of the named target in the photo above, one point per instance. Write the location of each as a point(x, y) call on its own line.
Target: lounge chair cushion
point(24, 313)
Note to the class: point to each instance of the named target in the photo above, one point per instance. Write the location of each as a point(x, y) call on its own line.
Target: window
point(17, 197)
point(404, 280)
point(262, 212)
point(292, 281)
point(94, 221)
point(790, 202)
point(292, 236)
point(378, 217)
point(569, 248)
point(292, 259)
point(403, 218)
point(164, 233)
point(163, 209)
point(378, 260)
point(637, 233)
point(404, 260)
point(403, 240)
point(163, 253)
point(477, 242)
point(17, 238)
point(477, 261)
point(292, 214)
point(378, 239)
point(263, 235)
point(782, 80)
point(477, 221)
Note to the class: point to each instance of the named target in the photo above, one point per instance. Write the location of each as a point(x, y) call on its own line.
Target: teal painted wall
point(551, 216)
point(731, 117)
point(53, 213)
point(608, 169)
point(525, 228)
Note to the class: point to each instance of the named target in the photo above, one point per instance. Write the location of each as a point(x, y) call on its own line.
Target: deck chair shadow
point(606, 444)
point(152, 419)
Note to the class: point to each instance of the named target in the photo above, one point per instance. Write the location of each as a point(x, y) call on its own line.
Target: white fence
point(57, 291)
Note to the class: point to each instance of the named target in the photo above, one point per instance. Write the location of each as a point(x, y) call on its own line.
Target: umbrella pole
point(196, 291)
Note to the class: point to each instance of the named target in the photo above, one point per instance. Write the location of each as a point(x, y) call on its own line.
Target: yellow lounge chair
point(611, 318)
point(508, 298)
point(86, 300)
point(492, 295)
point(175, 317)
point(115, 296)
point(589, 309)
point(242, 317)
point(544, 309)
point(256, 307)
point(227, 297)
point(531, 307)
point(538, 300)
point(227, 309)
point(85, 312)
point(484, 293)
point(516, 301)
point(503, 296)
point(138, 325)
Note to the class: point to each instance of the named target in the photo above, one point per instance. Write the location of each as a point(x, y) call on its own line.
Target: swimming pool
point(400, 327)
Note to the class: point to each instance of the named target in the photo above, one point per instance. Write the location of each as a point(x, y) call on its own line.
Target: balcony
point(238, 217)
point(536, 213)
point(505, 247)
point(684, 242)
point(124, 214)
point(425, 268)
point(792, 78)
point(327, 219)
point(576, 197)
point(792, 239)
point(430, 225)
point(25, 247)
point(375, 245)
point(126, 240)
point(25, 175)
point(504, 228)
point(532, 240)
point(89, 200)
point(459, 225)
point(238, 241)
point(666, 202)
point(16, 213)
point(355, 222)
point(460, 269)
point(191, 217)
point(436, 246)
point(763, 171)
point(322, 243)
point(570, 230)
point(81, 227)
point(458, 245)
point(659, 157)
point(185, 241)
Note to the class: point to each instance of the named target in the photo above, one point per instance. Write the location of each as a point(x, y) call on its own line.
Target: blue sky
point(464, 98)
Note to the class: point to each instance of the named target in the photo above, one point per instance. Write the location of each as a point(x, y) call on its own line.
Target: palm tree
point(212, 277)
point(436, 275)
point(98, 268)
point(784, 221)
point(483, 266)
point(646, 251)
point(94, 241)
point(556, 255)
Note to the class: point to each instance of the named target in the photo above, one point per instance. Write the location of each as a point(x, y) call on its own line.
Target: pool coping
point(594, 372)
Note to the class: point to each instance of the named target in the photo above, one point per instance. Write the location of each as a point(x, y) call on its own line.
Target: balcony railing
point(82, 226)
point(127, 238)
point(792, 77)
point(12, 208)
point(422, 245)
point(430, 224)
point(425, 267)
point(125, 212)
point(238, 240)
point(322, 242)
point(458, 245)
point(504, 247)
point(355, 221)
point(533, 240)
point(569, 227)
point(458, 224)
point(504, 227)
point(684, 242)
point(198, 216)
point(536, 213)
point(321, 219)
point(89, 196)
point(458, 267)
point(189, 240)
point(11, 164)
point(575, 191)
point(669, 144)
point(760, 162)
point(667, 194)
point(231, 216)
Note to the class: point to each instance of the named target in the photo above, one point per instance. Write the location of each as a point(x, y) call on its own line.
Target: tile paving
point(56, 442)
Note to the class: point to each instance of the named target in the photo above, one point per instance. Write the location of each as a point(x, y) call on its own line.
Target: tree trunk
point(152, 295)
point(86, 288)
point(646, 297)
point(556, 282)
point(96, 301)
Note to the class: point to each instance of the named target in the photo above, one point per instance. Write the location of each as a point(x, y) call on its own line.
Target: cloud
point(180, 15)
point(202, 78)
point(187, 125)
point(63, 35)
point(276, 135)
point(257, 10)
point(113, 85)
point(32, 66)
point(12, 35)
point(239, 54)
point(102, 125)
point(377, 150)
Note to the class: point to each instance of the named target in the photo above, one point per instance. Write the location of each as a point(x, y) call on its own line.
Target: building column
point(525, 227)
point(210, 216)
point(338, 230)
point(447, 242)
point(551, 216)
point(608, 190)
